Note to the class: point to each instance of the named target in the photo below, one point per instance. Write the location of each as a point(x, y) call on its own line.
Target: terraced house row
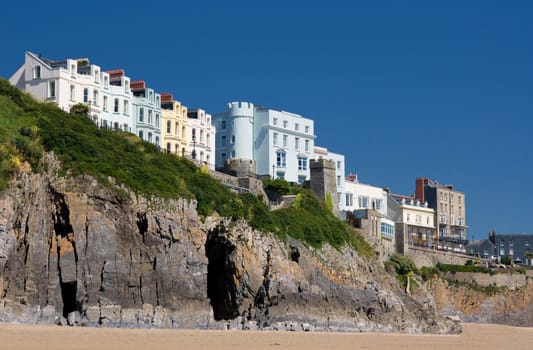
point(119, 103)
point(250, 140)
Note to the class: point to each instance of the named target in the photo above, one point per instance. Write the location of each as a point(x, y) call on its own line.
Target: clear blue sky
point(404, 89)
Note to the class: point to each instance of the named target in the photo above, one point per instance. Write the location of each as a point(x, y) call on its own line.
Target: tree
point(506, 260)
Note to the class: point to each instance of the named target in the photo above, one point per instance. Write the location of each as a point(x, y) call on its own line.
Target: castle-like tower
point(235, 133)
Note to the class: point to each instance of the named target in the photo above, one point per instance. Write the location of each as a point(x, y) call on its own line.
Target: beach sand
point(475, 336)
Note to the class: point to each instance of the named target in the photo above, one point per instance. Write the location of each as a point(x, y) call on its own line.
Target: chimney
point(421, 182)
point(166, 97)
point(352, 177)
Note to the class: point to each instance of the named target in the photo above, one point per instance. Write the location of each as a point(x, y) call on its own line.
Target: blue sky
point(403, 89)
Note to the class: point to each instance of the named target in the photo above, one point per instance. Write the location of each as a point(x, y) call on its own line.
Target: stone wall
point(241, 184)
point(511, 280)
point(240, 167)
point(428, 257)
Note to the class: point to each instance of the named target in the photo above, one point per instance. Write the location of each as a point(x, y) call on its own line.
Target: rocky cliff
point(471, 302)
point(74, 251)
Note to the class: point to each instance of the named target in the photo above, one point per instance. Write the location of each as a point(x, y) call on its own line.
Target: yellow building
point(174, 127)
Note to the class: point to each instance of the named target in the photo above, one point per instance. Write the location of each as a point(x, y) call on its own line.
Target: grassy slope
point(29, 128)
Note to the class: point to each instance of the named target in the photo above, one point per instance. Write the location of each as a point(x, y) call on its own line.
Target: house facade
point(175, 126)
point(518, 246)
point(201, 137)
point(414, 223)
point(72, 81)
point(360, 196)
point(481, 248)
point(146, 112)
point(368, 209)
point(278, 143)
point(450, 214)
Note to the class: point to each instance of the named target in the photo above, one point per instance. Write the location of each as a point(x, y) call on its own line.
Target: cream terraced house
point(450, 212)
point(415, 225)
point(175, 129)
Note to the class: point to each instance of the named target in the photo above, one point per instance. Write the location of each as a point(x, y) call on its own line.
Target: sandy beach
point(475, 336)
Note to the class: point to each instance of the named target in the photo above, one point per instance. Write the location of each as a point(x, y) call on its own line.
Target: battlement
point(241, 109)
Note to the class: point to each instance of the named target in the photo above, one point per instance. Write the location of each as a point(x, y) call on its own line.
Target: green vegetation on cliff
point(29, 128)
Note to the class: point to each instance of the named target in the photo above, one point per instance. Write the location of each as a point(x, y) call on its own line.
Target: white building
point(280, 143)
point(73, 81)
point(323, 153)
point(362, 196)
point(201, 134)
point(146, 112)
point(117, 102)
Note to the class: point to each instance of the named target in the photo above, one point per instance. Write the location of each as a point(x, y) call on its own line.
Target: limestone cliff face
point(503, 306)
point(72, 248)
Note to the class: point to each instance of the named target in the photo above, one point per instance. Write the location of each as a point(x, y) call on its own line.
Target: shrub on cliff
point(463, 268)
point(404, 269)
point(400, 264)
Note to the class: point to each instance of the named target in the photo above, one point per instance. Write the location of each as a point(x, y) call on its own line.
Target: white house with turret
point(281, 143)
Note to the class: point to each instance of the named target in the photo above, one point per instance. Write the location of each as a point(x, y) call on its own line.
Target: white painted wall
point(417, 215)
point(151, 123)
point(205, 135)
point(66, 76)
point(372, 193)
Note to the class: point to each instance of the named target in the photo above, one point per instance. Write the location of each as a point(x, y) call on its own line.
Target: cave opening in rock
point(295, 254)
point(68, 294)
point(221, 289)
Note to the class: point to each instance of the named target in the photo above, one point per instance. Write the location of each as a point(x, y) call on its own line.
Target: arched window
point(169, 126)
point(141, 134)
point(168, 147)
